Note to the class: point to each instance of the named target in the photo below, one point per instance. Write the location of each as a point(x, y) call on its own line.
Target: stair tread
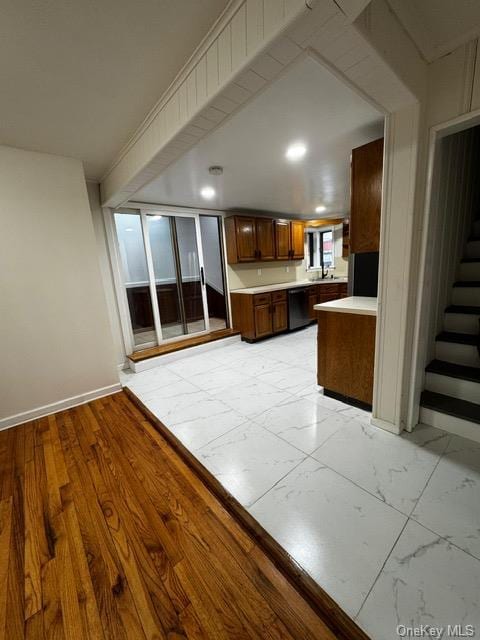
point(467, 283)
point(460, 338)
point(452, 370)
point(451, 406)
point(460, 308)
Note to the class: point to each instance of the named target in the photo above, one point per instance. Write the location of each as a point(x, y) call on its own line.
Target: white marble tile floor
point(388, 525)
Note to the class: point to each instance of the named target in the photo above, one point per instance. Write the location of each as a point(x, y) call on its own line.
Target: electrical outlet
point(259, 272)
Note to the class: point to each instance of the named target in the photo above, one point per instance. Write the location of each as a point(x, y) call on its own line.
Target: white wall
point(55, 335)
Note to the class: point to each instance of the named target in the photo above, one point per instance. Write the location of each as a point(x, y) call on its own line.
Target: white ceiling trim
point(223, 19)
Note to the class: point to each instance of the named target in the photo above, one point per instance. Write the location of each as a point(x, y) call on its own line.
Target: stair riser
point(457, 353)
point(466, 296)
point(461, 323)
point(469, 271)
point(473, 249)
point(455, 387)
point(459, 427)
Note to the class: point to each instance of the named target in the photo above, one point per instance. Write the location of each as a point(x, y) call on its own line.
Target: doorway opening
point(172, 274)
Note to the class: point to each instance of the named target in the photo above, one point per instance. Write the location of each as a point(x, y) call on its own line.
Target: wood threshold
point(179, 345)
point(341, 625)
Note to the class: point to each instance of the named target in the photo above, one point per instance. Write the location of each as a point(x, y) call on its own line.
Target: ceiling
point(438, 26)
point(79, 76)
point(307, 103)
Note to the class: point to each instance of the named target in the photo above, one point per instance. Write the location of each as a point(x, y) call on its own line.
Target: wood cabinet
point(282, 239)
point(346, 353)
point(259, 315)
point(297, 239)
point(265, 239)
point(279, 311)
point(251, 239)
point(319, 293)
point(366, 197)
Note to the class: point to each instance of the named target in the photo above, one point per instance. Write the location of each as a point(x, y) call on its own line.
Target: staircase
point(451, 399)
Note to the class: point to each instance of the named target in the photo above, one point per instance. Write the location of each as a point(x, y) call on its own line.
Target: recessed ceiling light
point(208, 193)
point(320, 209)
point(129, 229)
point(296, 151)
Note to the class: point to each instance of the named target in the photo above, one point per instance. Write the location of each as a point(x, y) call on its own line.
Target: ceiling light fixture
point(208, 193)
point(320, 209)
point(296, 151)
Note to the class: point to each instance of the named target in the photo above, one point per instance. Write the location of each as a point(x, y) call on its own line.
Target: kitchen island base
point(346, 353)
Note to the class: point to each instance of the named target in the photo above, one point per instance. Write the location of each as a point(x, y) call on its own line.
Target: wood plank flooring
point(179, 345)
point(106, 533)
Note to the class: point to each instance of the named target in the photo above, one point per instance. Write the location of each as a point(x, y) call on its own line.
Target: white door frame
point(125, 319)
point(420, 341)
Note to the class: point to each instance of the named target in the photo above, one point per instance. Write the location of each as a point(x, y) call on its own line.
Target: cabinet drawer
point(279, 296)
point(328, 288)
point(262, 298)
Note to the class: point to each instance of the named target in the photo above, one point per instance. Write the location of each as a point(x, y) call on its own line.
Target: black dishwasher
point(297, 308)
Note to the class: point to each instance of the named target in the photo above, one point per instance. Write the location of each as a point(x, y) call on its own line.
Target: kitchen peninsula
point(346, 349)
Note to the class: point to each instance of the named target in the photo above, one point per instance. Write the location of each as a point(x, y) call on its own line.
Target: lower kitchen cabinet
point(259, 315)
point(319, 293)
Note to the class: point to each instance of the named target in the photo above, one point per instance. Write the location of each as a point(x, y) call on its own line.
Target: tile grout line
point(355, 617)
point(248, 507)
point(440, 457)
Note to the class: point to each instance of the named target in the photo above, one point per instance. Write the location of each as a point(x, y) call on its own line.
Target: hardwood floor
point(106, 533)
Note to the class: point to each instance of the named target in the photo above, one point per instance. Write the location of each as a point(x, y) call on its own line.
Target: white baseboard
point(67, 403)
point(151, 363)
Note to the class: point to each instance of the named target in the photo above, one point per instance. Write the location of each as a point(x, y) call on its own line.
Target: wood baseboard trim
point(60, 405)
point(180, 345)
point(326, 608)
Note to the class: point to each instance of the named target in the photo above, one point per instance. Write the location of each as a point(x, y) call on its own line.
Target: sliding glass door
point(164, 274)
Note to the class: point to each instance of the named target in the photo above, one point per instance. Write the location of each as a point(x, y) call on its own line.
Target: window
point(320, 248)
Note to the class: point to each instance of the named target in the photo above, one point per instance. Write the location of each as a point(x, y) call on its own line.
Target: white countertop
point(355, 304)
point(288, 285)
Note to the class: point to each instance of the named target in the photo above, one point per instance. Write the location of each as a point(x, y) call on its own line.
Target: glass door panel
point(210, 231)
point(135, 277)
point(189, 274)
point(166, 277)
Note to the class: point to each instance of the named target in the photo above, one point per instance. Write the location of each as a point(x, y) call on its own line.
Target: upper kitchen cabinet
point(251, 239)
point(366, 197)
point(265, 239)
point(297, 235)
point(282, 239)
point(241, 235)
point(289, 239)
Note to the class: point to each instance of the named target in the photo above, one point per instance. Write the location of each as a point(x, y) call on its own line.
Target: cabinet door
point(366, 197)
point(265, 239)
point(313, 299)
point(297, 239)
point(263, 320)
point(246, 236)
point(282, 239)
point(280, 319)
